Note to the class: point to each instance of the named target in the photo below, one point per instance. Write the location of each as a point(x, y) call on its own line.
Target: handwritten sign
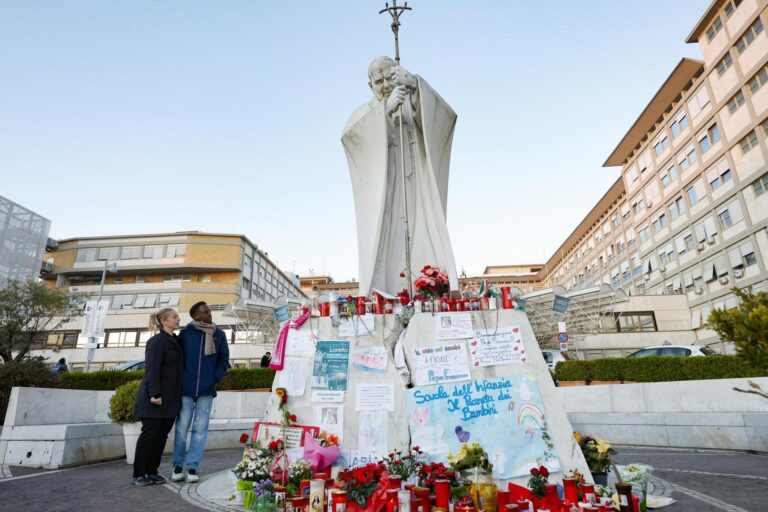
point(502, 346)
point(300, 343)
point(505, 415)
point(440, 364)
point(453, 326)
point(370, 359)
point(331, 366)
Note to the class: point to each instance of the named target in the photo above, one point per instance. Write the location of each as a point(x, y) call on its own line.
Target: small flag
point(483, 288)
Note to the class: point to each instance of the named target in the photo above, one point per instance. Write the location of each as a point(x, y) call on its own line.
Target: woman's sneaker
point(192, 476)
point(142, 481)
point(158, 479)
point(178, 474)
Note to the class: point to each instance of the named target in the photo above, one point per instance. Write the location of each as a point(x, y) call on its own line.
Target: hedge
point(105, 380)
point(656, 369)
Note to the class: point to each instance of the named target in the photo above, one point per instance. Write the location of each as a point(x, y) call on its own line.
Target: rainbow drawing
point(531, 415)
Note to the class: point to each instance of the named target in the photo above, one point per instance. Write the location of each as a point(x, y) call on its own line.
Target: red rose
point(293, 418)
point(243, 438)
point(534, 472)
point(544, 471)
point(402, 274)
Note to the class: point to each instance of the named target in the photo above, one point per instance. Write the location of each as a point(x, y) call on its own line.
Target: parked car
point(552, 357)
point(130, 365)
point(673, 350)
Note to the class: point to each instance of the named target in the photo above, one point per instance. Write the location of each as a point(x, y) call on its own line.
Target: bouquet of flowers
point(298, 470)
point(432, 283)
point(430, 473)
point(538, 480)
point(406, 466)
point(255, 465)
point(470, 456)
point(597, 452)
point(262, 498)
point(360, 482)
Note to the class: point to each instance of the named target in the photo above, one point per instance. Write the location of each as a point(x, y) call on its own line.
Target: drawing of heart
point(515, 348)
point(474, 352)
point(477, 363)
point(515, 329)
point(518, 341)
point(462, 434)
point(474, 343)
point(523, 359)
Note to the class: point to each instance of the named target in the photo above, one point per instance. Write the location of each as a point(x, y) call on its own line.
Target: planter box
point(569, 383)
point(131, 433)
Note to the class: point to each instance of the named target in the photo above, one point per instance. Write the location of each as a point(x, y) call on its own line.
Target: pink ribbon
point(278, 359)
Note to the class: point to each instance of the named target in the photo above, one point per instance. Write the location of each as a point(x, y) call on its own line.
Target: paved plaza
point(700, 481)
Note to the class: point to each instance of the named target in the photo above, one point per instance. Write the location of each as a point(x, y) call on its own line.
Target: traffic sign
point(562, 337)
point(563, 347)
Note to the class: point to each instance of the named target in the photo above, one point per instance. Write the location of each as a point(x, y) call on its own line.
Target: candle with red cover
point(392, 500)
point(442, 493)
point(338, 501)
point(570, 492)
point(503, 499)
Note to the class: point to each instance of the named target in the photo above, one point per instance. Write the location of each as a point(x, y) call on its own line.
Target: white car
point(552, 357)
point(673, 350)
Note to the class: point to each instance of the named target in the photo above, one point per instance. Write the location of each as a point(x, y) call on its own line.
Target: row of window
point(142, 301)
point(717, 23)
point(741, 45)
point(130, 253)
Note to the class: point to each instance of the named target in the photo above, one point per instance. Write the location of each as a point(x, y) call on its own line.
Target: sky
point(145, 116)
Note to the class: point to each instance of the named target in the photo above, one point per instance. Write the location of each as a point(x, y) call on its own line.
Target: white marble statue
point(371, 141)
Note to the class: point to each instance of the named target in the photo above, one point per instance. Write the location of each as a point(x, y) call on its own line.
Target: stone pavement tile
point(102, 487)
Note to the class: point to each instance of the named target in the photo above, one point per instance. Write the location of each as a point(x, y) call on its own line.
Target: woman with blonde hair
point(158, 399)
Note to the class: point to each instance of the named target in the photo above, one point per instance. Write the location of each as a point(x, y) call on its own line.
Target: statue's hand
point(396, 98)
point(401, 76)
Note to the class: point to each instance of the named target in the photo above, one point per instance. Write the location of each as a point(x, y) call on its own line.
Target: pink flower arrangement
point(432, 283)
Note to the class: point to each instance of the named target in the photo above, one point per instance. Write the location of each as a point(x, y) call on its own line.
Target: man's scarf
point(208, 329)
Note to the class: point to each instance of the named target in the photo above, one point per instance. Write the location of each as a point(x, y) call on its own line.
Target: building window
point(644, 234)
point(714, 28)
point(108, 253)
point(730, 7)
point(759, 80)
point(711, 136)
point(752, 32)
point(748, 142)
point(725, 219)
point(636, 322)
point(179, 278)
point(742, 255)
point(686, 158)
point(692, 196)
point(660, 222)
point(669, 176)
point(680, 122)
point(661, 145)
point(145, 301)
point(205, 278)
point(117, 280)
point(139, 279)
point(154, 252)
point(86, 255)
point(176, 251)
point(764, 126)
point(730, 215)
point(719, 174)
point(122, 301)
point(638, 205)
point(735, 102)
point(676, 208)
point(121, 339)
point(130, 253)
point(725, 63)
point(760, 185)
point(169, 299)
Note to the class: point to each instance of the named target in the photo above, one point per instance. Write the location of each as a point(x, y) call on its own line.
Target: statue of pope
point(371, 141)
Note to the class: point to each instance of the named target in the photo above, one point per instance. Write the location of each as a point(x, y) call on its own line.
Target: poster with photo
point(331, 366)
point(453, 326)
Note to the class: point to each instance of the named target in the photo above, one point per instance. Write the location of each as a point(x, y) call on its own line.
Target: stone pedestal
point(420, 333)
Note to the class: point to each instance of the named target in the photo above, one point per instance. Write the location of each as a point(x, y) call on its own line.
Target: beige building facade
point(689, 213)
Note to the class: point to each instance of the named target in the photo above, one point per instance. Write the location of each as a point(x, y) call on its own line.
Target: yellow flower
point(603, 446)
point(577, 436)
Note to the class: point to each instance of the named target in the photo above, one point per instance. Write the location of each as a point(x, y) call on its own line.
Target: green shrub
point(246, 378)
point(105, 380)
point(30, 372)
point(656, 369)
point(122, 402)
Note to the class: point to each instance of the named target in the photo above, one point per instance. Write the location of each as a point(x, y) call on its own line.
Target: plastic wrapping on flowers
point(637, 475)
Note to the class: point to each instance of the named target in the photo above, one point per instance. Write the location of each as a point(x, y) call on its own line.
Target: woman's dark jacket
point(162, 377)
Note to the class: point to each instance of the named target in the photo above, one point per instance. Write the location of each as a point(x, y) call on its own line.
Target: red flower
point(402, 274)
point(544, 471)
point(534, 472)
point(293, 418)
point(243, 438)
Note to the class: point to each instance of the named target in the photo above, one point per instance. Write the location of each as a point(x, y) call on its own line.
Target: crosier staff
point(395, 11)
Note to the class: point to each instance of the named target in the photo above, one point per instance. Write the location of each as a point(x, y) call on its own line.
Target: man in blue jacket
point(206, 359)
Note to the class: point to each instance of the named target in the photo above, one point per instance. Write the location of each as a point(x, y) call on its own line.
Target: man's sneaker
point(142, 480)
point(178, 474)
point(192, 476)
point(157, 479)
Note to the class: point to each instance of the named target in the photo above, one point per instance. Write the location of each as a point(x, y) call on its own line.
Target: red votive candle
point(442, 493)
point(422, 499)
point(588, 493)
point(395, 482)
point(570, 493)
point(503, 499)
point(392, 500)
point(324, 308)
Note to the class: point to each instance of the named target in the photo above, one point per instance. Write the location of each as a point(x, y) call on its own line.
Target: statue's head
point(379, 77)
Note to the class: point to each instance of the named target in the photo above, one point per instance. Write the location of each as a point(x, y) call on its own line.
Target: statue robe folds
point(371, 141)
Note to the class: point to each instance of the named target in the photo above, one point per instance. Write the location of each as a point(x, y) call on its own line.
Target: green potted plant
point(597, 452)
point(121, 412)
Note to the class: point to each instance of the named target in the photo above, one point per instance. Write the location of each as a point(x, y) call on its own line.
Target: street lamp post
point(92, 340)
